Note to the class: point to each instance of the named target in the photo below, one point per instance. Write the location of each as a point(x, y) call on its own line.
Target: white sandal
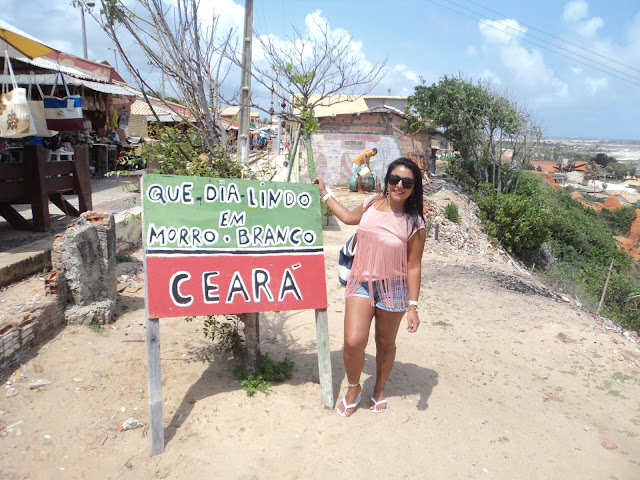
point(375, 405)
point(354, 405)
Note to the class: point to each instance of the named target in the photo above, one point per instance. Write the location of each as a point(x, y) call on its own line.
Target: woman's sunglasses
point(406, 181)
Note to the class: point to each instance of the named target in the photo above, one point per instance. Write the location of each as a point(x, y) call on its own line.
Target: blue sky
point(574, 64)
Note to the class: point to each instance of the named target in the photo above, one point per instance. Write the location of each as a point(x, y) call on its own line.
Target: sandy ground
point(503, 380)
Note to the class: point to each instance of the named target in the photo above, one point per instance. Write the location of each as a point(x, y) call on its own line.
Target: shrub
point(518, 223)
point(580, 232)
point(579, 246)
point(451, 212)
point(224, 329)
point(619, 221)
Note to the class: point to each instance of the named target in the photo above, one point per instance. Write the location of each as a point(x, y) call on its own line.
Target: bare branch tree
point(312, 69)
point(174, 41)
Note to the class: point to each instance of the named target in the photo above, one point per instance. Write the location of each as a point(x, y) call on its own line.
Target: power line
point(552, 44)
point(633, 80)
point(558, 38)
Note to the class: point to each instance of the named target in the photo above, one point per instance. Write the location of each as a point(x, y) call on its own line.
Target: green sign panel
point(196, 213)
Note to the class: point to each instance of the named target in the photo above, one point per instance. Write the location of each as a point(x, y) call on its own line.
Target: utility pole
point(245, 93)
point(84, 5)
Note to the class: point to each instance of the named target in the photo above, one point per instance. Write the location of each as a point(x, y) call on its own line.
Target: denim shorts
point(398, 304)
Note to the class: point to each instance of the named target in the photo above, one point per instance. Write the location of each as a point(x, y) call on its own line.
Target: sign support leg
point(154, 381)
point(251, 341)
point(324, 358)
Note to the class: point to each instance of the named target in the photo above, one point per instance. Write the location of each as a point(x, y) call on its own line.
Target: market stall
point(74, 128)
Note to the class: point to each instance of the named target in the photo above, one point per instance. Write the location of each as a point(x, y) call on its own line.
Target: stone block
point(86, 257)
point(101, 312)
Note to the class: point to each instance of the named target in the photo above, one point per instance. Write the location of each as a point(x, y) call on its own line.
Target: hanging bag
point(348, 253)
point(37, 110)
point(63, 113)
point(345, 259)
point(15, 117)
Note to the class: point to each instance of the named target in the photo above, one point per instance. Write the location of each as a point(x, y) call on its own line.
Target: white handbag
point(15, 116)
point(37, 111)
point(63, 113)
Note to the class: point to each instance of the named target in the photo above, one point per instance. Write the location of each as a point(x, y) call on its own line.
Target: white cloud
point(519, 69)
point(501, 31)
point(575, 11)
point(589, 28)
point(398, 78)
point(575, 15)
point(491, 77)
point(596, 85)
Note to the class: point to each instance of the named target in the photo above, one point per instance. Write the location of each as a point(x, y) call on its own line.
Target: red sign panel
point(200, 284)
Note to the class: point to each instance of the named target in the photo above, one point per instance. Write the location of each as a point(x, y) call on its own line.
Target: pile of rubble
point(467, 236)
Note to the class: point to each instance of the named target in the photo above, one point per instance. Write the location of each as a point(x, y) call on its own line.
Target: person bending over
point(363, 158)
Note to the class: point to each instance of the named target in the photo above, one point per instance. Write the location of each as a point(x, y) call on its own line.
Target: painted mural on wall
point(334, 152)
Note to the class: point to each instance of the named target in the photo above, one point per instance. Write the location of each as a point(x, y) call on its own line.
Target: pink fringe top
point(381, 253)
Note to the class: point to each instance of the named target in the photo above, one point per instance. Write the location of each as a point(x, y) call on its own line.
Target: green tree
point(591, 174)
point(454, 104)
point(519, 222)
point(480, 122)
point(603, 159)
point(619, 170)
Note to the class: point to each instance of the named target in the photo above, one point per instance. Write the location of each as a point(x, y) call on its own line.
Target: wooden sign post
point(228, 246)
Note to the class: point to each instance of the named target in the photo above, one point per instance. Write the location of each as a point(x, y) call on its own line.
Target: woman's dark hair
point(413, 207)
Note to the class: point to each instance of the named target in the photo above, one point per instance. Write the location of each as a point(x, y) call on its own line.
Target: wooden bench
point(36, 182)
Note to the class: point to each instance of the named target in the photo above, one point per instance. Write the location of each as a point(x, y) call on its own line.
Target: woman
point(385, 276)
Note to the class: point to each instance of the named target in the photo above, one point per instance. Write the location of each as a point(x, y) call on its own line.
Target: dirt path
point(503, 380)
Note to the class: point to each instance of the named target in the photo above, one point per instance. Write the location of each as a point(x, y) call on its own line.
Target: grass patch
point(269, 371)
point(441, 323)
point(606, 387)
point(95, 327)
point(621, 377)
point(124, 257)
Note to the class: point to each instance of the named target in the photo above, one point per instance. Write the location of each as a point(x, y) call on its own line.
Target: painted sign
point(216, 246)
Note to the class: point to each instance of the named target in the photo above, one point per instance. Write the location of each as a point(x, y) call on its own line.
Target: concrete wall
point(384, 123)
point(137, 126)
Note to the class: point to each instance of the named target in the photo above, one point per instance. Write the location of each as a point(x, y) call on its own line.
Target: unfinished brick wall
point(80, 289)
point(36, 326)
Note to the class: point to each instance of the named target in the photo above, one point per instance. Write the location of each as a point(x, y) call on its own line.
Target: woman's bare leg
point(387, 325)
point(357, 322)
